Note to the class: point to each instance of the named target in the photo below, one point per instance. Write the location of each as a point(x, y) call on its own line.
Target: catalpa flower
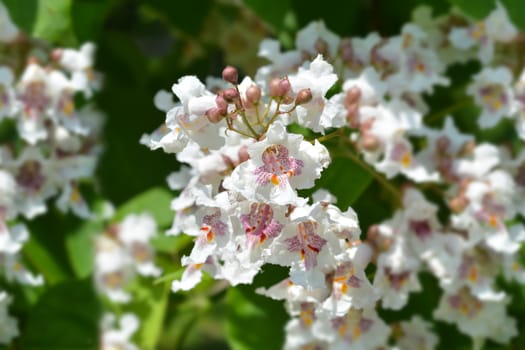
point(318, 114)
point(358, 329)
point(476, 318)
point(278, 165)
point(415, 335)
point(492, 92)
point(497, 27)
point(34, 94)
point(118, 338)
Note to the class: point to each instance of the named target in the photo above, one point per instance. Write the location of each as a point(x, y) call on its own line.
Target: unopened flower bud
point(230, 75)
point(56, 55)
point(222, 105)
point(243, 154)
point(253, 94)
point(352, 96)
point(370, 142)
point(214, 115)
point(279, 87)
point(230, 95)
point(352, 115)
point(303, 96)
point(458, 204)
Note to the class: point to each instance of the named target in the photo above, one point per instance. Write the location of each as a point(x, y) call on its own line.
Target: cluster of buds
point(239, 194)
point(48, 146)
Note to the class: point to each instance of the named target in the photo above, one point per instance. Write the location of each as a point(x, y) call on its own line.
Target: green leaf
point(254, 322)
point(155, 201)
point(516, 12)
point(150, 305)
point(476, 9)
point(88, 17)
point(345, 179)
point(170, 244)
point(44, 260)
point(66, 317)
point(53, 22)
point(273, 12)
point(80, 248)
point(23, 13)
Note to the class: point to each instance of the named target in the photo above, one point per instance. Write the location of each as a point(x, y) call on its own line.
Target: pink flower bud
point(458, 204)
point(222, 105)
point(253, 94)
point(56, 54)
point(243, 154)
point(352, 96)
point(214, 115)
point(230, 75)
point(303, 96)
point(279, 87)
point(370, 142)
point(230, 95)
point(352, 116)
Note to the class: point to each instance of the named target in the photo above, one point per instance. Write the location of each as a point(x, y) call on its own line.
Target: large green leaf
point(344, 178)
point(65, 318)
point(150, 305)
point(155, 202)
point(23, 13)
point(88, 17)
point(80, 247)
point(254, 321)
point(516, 12)
point(53, 21)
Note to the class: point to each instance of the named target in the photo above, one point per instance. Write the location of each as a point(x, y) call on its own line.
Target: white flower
point(495, 28)
point(492, 92)
point(80, 64)
point(135, 233)
point(118, 338)
point(71, 199)
point(476, 318)
point(8, 324)
point(195, 100)
point(62, 109)
point(278, 165)
point(416, 335)
point(316, 38)
point(319, 78)
point(358, 329)
point(34, 95)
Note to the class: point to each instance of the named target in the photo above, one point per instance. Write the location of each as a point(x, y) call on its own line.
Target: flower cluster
point(122, 252)
point(48, 142)
point(240, 197)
